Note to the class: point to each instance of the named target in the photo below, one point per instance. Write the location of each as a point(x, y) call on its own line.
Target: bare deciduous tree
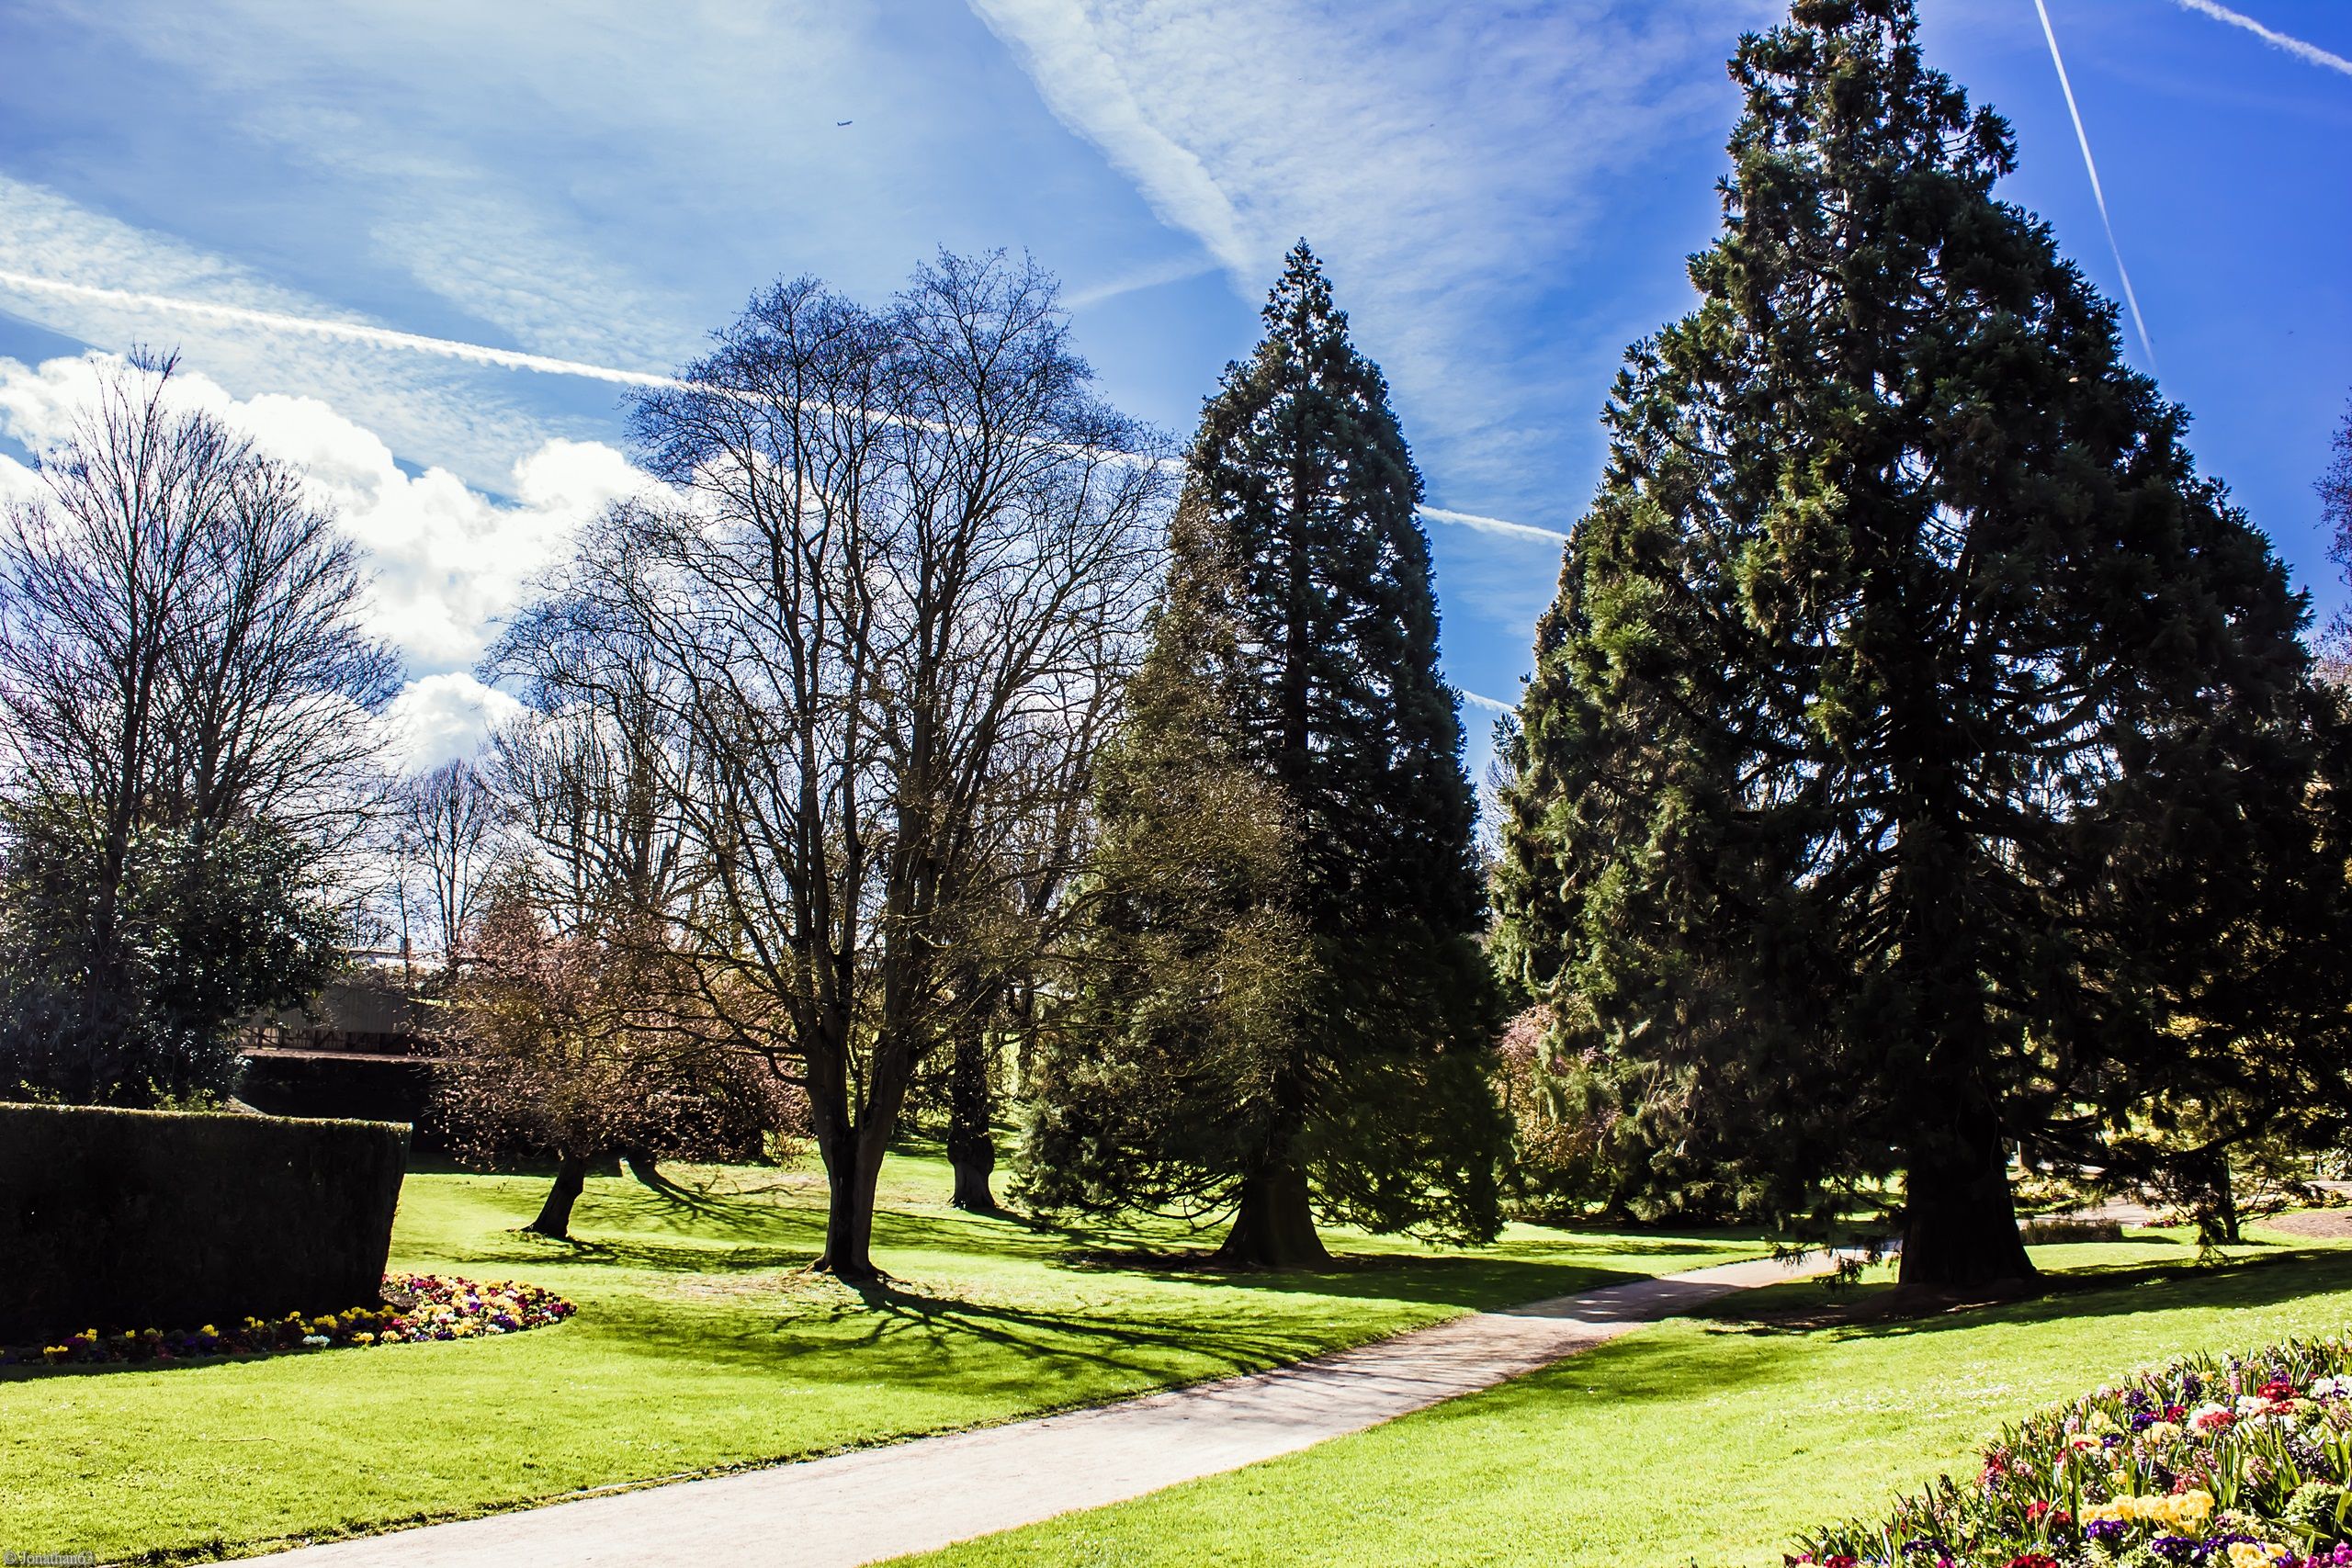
point(908, 547)
point(444, 838)
point(180, 657)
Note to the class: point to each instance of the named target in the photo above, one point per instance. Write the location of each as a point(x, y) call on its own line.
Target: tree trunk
point(555, 1215)
point(1275, 1226)
point(1959, 1224)
point(2225, 1199)
point(852, 1170)
point(2203, 1185)
point(971, 1141)
point(646, 1170)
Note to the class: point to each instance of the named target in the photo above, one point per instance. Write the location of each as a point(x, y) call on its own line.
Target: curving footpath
point(876, 1504)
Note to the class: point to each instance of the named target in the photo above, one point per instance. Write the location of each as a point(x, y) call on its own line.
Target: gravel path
point(880, 1502)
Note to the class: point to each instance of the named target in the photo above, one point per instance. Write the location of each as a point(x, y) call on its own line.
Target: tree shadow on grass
point(2278, 1275)
point(937, 1324)
point(1471, 1280)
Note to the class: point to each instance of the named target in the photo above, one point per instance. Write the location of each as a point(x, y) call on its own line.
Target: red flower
point(2033, 1560)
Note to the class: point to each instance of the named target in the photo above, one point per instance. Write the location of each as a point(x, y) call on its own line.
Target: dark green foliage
point(1915, 734)
point(130, 988)
point(1284, 994)
point(138, 1218)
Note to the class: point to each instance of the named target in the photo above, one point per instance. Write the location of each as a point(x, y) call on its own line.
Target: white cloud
point(449, 560)
point(16, 481)
point(443, 718)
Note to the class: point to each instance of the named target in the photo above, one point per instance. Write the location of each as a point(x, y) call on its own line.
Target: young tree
point(182, 675)
point(1914, 722)
point(1289, 1011)
point(904, 543)
point(444, 839)
point(574, 1047)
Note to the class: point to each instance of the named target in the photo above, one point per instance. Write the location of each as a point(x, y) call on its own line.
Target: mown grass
point(1709, 1440)
point(700, 1344)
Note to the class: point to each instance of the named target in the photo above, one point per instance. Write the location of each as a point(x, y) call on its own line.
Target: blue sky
point(1503, 193)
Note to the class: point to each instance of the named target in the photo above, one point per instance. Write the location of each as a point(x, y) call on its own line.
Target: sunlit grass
point(1706, 1441)
point(700, 1344)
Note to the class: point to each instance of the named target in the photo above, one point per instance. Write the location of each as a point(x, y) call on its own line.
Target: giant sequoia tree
point(1285, 1009)
point(1914, 724)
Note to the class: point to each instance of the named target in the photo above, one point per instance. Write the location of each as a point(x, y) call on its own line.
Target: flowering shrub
point(416, 1307)
point(2241, 1462)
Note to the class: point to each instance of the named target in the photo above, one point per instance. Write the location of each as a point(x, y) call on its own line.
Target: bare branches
point(445, 840)
point(177, 635)
point(871, 646)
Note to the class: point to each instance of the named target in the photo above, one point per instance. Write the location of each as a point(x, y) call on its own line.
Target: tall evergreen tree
point(1288, 1012)
point(1913, 722)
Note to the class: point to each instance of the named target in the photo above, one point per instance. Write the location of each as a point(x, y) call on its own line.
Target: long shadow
point(1045, 1336)
point(2282, 1274)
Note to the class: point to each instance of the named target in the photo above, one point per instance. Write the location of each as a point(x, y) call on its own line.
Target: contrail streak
point(1495, 525)
point(1470, 696)
point(348, 331)
point(2083, 136)
point(506, 358)
point(2272, 36)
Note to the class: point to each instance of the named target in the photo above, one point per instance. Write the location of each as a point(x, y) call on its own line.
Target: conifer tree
point(1287, 1012)
point(1914, 724)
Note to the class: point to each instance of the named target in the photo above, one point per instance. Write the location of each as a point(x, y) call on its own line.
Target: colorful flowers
point(416, 1308)
point(2179, 1512)
point(2236, 1462)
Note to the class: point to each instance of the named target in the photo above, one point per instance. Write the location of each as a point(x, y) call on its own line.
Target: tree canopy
point(1287, 1009)
point(1914, 728)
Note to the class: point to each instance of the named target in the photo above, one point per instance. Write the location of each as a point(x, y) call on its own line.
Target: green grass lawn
point(1704, 1441)
point(699, 1344)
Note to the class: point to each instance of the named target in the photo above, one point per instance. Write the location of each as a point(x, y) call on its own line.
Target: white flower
point(314, 1339)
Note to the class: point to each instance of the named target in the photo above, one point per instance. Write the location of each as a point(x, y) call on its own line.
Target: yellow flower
point(2188, 1511)
point(2256, 1554)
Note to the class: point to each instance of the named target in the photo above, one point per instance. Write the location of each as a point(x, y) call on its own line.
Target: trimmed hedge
point(118, 1220)
point(365, 1088)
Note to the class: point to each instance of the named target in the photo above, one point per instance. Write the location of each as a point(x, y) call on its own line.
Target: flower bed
point(2240, 1462)
point(416, 1307)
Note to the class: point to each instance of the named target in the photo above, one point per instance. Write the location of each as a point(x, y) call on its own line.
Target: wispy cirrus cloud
point(1083, 82)
point(1450, 175)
